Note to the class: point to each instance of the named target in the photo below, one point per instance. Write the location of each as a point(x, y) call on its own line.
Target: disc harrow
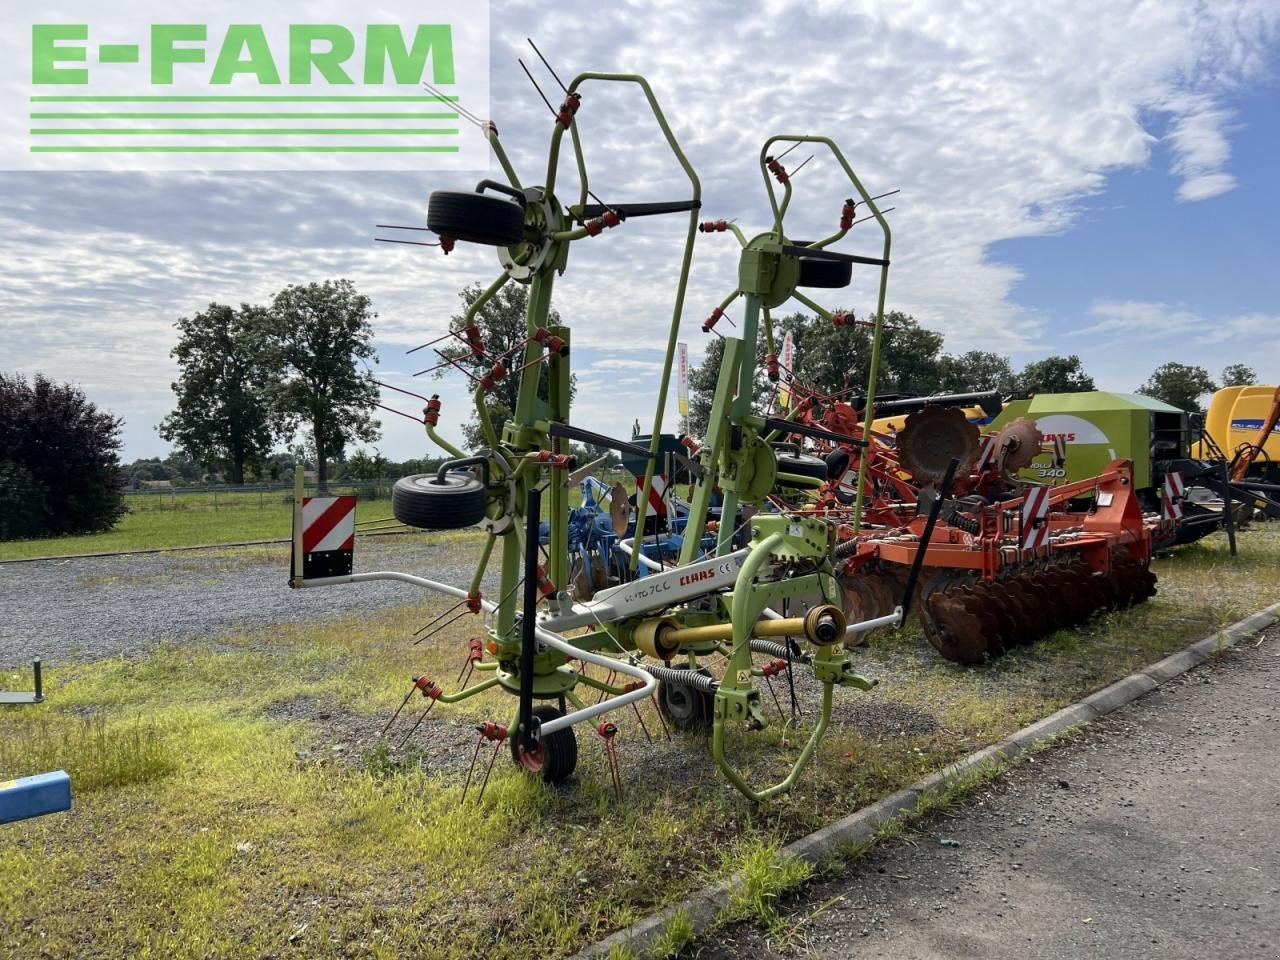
point(1010, 562)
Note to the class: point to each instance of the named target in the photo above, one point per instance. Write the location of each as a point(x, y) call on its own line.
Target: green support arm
point(878, 328)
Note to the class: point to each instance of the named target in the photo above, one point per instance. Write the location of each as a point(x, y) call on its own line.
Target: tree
point(977, 370)
point(1054, 375)
point(316, 335)
point(1179, 385)
point(223, 418)
point(1238, 375)
point(504, 329)
point(833, 359)
point(59, 461)
point(367, 466)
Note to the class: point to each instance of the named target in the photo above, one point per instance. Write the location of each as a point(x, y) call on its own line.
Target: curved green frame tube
point(642, 501)
point(745, 611)
point(884, 279)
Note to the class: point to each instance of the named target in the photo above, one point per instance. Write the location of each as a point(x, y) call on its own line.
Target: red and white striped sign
point(657, 491)
point(1035, 513)
point(985, 453)
point(328, 523)
point(1171, 501)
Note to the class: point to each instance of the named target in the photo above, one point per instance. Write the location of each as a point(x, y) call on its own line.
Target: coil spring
point(846, 549)
point(967, 524)
point(778, 651)
point(685, 678)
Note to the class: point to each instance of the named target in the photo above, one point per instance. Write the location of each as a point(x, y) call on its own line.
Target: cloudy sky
point(1077, 177)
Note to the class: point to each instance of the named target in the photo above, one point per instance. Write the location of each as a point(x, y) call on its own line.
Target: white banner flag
point(788, 355)
point(682, 381)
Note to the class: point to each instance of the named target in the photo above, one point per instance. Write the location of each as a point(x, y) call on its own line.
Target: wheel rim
point(532, 760)
point(680, 704)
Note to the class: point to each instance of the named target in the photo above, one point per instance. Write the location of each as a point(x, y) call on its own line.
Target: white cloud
point(1199, 141)
point(1132, 321)
point(993, 119)
point(1128, 339)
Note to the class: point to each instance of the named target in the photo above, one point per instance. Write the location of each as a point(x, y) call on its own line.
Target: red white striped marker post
point(657, 493)
point(1171, 501)
point(985, 453)
point(1035, 512)
point(328, 536)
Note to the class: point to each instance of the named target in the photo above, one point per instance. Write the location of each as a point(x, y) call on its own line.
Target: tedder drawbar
point(765, 584)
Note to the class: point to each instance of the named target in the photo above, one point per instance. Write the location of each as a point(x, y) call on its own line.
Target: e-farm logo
point(253, 89)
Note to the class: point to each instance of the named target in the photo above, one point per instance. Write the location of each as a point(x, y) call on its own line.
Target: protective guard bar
point(642, 500)
point(625, 210)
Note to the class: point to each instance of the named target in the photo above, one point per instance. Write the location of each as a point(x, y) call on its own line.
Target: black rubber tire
point(419, 501)
point(686, 708)
point(814, 469)
point(475, 218)
point(557, 755)
point(830, 274)
point(837, 462)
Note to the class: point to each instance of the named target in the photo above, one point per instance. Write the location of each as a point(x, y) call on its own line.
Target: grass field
point(179, 519)
point(188, 519)
point(213, 819)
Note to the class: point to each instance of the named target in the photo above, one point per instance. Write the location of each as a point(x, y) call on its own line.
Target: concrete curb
point(706, 905)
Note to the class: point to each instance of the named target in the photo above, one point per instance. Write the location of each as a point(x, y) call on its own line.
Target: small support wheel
point(423, 501)
point(475, 218)
point(801, 470)
point(555, 757)
point(686, 708)
point(827, 274)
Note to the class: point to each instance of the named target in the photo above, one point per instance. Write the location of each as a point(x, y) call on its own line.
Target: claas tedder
point(760, 598)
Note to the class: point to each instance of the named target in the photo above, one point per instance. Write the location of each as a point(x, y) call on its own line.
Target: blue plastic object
point(34, 796)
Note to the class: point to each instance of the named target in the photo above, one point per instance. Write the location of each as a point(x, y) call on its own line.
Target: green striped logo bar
point(249, 90)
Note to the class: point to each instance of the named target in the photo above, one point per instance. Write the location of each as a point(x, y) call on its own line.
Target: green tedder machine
point(763, 589)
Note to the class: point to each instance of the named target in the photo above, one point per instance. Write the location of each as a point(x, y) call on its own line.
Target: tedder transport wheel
point(686, 708)
point(425, 502)
point(801, 470)
point(555, 758)
point(475, 218)
point(830, 274)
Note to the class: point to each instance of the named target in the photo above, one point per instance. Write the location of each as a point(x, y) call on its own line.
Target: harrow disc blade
point(1048, 600)
point(1018, 444)
point(992, 605)
point(866, 597)
point(1073, 582)
point(1031, 620)
point(1136, 578)
point(931, 438)
point(956, 633)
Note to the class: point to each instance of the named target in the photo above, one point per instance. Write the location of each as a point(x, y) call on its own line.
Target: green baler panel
point(1099, 427)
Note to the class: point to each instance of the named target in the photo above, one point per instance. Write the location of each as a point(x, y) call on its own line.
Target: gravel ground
point(93, 608)
point(1150, 835)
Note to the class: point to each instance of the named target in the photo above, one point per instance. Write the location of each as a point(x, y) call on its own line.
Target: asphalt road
point(1153, 834)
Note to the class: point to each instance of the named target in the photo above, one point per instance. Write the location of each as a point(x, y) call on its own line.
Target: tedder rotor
point(758, 584)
